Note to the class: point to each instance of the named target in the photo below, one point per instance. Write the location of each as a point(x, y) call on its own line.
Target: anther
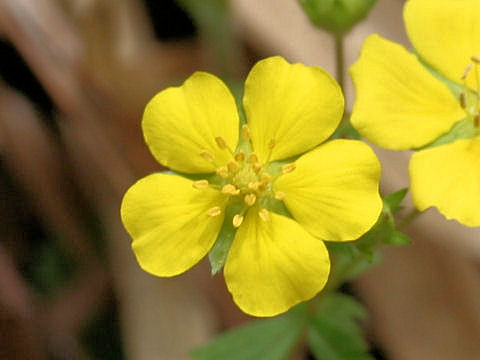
point(271, 144)
point(207, 155)
point(257, 167)
point(253, 158)
point(214, 211)
point(463, 102)
point(279, 195)
point(232, 165)
point(222, 172)
point(240, 156)
point(246, 135)
point(287, 168)
point(264, 215)
point(222, 144)
point(237, 220)
point(200, 184)
point(475, 59)
point(230, 189)
point(250, 199)
point(467, 70)
point(253, 185)
point(476, 120)
point(266, 178)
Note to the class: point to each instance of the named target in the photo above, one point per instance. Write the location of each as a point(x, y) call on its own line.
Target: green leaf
point(218, 253)
point(397, 238)
point(335, 333)
point(336, 16)
point(269, 339)
point(394, 200)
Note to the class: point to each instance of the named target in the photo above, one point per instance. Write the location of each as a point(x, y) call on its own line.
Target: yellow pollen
point(287, 168)
point(222, 144)
point(279, 195)
point(207, 155)
point(246, 135)
point(253, 158)
point(264, 215)
point(237, 220)
point(222, 172)
point(230, 189)
point(200, 184)
point(233, 165)
point(240, 156)
point(250, 199)
point(271, 144)
point(214, 211)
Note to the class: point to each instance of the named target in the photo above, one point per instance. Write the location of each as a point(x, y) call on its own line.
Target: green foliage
point(268, 339)
point(335, 333)
point(392, 201)
point(336, 16)
point(464, 129)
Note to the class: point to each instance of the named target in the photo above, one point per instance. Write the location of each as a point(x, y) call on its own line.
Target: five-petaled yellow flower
point(402, 103)
point(331, 191)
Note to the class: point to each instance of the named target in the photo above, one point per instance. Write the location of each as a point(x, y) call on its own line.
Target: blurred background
point(75, 76)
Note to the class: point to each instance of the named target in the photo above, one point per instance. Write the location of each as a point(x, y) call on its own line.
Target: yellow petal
point(399, 104)
point(273, 265)
point(169, 222)
point(448, 177)
point(333, 192)
point(446, 34)
point(296, 106)
point(180, 123)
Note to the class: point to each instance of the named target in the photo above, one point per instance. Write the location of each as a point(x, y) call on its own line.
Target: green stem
point(412, 215)
point(339, 59)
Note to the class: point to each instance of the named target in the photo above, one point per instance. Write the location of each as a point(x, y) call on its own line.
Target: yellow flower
point(409, 100)
point(331, 192)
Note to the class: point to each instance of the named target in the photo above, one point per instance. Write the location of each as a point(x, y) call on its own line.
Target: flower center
point(470, 99)
point(244, 179)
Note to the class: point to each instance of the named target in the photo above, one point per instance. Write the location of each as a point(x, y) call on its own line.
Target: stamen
point(200, 184)
point(271, 144)
point(264, 215)
point(214, 211)
point(240, 156)
point(476, 120)
point(230, 189)
point(237, 220)
point(207, 155)
point(257, 167)
point(279, 195)
point(253, 158)
point(475, 59)
point(222, 144)
point(287, 168)
point(467, 70)
point(246, 135)
point(266, 178)
point(222, 172)
point(232, 165)
point(253, 185)
point(250, 199)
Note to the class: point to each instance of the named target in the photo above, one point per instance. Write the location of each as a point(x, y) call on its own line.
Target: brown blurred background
point(74, 78)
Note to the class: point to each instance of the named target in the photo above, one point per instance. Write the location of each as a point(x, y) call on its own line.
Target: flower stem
point(339, 59)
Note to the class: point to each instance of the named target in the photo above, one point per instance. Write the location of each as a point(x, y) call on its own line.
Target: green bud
point(336, 16)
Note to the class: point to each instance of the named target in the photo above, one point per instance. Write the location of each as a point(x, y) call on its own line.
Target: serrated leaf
point(394, 200)
point(335, 333)
point(269, 339)
point(397, 238)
